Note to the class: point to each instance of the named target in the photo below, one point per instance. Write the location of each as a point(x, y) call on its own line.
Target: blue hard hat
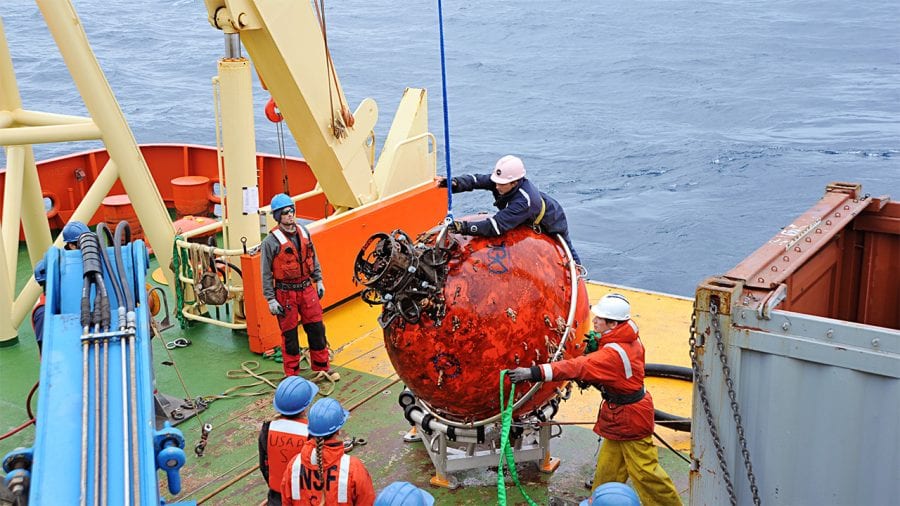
point(281, 201)
point(73, 230)
point(40, 272)
point(614, 494)
point(403, 493)
point(293, 395)
point(326, 417)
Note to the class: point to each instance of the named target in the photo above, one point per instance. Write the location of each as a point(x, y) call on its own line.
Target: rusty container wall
point(809, 326)
point(856, 276)
point(840, 259)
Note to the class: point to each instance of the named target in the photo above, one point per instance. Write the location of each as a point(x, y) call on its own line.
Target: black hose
point(662, 418)
point(120, 263)
point(89, 244)
point(669, 371)
point(230, 265)
point(101, 303)
point(86, 303)
point(105, 238)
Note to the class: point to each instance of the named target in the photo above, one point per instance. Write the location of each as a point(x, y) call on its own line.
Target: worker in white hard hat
point(625, 418)
point(519, 202)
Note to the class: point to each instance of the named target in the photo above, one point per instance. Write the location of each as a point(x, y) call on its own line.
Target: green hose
point(506, 450)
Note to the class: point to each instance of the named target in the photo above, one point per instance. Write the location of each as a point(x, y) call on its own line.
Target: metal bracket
point(774, 298)
point(166, 322)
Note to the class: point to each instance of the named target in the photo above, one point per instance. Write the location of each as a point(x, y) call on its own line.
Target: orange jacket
point(618, 367)
point(284, 438)
point(291, 266)
point(346, 480)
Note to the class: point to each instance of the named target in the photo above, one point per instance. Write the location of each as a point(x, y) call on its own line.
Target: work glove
point(591, 342)
point(275, 308)
point(442, 182)
point(320, 288)
point(520, 374)
point(459, 227)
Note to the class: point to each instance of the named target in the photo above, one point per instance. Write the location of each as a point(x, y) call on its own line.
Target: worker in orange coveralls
point(322, 473)
point(625, 419)
point(292, 285)
point(283, 438)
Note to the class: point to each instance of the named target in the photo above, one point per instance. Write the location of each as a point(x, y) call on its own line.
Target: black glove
point(520, 374)
point(442, 182)
point(459, 227)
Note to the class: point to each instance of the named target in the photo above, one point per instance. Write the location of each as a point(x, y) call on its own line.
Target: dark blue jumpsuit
point(520, 206)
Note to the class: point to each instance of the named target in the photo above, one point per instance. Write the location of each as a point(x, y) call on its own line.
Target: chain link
point(735, 409)
point(704, 401)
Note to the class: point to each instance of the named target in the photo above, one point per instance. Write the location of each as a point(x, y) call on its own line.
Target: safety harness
point(537, 221)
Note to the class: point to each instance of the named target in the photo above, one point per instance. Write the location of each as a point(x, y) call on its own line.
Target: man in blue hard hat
point(282, 438)
point(403, 493)
point(37, 314)
point(519, 202)
point(292, 285)
point(71, 232)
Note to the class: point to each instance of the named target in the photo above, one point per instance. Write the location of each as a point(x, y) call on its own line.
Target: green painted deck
point(227, 473)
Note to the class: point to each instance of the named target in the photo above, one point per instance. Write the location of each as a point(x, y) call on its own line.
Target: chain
point(735, 409)
point(704, 400)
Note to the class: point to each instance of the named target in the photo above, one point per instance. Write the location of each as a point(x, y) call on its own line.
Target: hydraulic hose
point(86, 304)
point(122, 274)
point(662, 418)
point(106, 237)
point(123, 227)
point(91, 257)
point(89, 244)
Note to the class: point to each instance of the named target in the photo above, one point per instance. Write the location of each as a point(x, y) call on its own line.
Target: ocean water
point(679, 136)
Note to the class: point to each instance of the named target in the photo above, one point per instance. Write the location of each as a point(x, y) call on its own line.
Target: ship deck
point(228, 474)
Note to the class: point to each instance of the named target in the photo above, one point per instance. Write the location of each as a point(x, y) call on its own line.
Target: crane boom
point(285, 42)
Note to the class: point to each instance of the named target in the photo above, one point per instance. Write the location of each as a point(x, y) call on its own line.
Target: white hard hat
point(612, 307)
point(508, 169)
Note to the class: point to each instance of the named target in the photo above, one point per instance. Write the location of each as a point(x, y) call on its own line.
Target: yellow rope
point(248, 370)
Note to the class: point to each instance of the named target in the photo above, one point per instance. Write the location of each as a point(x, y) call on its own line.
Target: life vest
point(286, 438)
point(345, 481)
point(289, 265)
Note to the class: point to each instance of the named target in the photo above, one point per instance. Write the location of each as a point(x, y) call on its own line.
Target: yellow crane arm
point(285, 42)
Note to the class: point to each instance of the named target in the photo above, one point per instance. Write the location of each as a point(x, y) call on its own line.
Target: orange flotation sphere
point(503, 304)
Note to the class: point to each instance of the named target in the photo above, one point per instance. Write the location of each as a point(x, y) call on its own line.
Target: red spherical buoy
point(502, 303)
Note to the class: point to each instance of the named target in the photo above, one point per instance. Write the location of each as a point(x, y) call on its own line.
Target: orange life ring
point(54, 204)
point(152, 299)
point(272, 112)
point(213, 198)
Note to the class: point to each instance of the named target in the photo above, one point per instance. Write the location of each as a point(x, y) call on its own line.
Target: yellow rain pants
point(638, 460)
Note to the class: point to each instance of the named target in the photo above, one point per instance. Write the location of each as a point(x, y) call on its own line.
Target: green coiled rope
point(506, 451)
